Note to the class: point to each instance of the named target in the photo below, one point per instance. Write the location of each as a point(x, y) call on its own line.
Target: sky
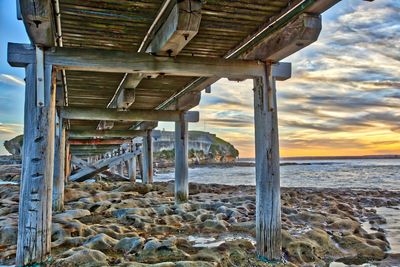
point(343, 97)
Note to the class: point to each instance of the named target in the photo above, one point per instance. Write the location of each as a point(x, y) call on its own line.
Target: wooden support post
point(181, 161)
point(67, 161)
point(140, 163)
point(121, 169)
point(132, 170)
point(59, 169)
point(34, 221)
point(75, 113)
point(147, 158)
point(268, 213)
point(132, 165)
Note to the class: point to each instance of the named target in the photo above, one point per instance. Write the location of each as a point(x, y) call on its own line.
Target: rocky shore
point(124, 224)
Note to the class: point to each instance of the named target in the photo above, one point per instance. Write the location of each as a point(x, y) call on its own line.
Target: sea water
point(365, 173)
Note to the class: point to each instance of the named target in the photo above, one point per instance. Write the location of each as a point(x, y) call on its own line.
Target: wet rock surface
point(123, 224)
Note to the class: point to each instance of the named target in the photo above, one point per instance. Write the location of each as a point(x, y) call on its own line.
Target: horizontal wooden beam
point(39, 21)
point(186, 102)
point(125, 94)
point(106, 134)
point(98, 141)
point(74, 113)
point(144, 125)
point(131, 62)
point(296, 35)
point(179, 28)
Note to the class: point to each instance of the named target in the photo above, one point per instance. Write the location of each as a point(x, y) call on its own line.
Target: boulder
point(82, 257)
point(14, 146)
point(130, 244)
point(101, 242)
point(71, 214)
point(8, 235)
point(152, 244)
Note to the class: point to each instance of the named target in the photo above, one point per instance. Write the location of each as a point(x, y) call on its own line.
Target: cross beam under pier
point(98, 141)
point(106, 134)
point(100, 114)
point(19, 55)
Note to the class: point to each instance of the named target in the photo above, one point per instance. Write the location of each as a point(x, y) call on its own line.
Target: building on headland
point(198, 141)
point(203, 147)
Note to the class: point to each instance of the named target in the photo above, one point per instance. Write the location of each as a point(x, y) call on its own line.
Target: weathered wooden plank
point(98, 141)
point(131, 62)
point(59, 169)
point(102, 165)
point(79, 162)
point(179, 28)
point(39, 21)
point(147, 159)
point(145, 125)
point(34, 222)
point(268, 208)
point(106, 134)
point(73, 113)
point(181, 161)
point(75, 148)
point(298, 34)
point(186, 102)
point(322, 5)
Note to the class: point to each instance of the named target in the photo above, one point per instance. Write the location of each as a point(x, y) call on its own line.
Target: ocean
point(354, 173)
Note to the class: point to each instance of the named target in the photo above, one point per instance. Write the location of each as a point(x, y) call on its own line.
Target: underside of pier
point(100, 74)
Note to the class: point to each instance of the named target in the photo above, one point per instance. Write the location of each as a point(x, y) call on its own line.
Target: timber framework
point(101, 73)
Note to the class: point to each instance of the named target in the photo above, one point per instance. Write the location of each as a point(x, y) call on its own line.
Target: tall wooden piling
point(132, 164)
point(67, 161)
point(181, 161)
point(268, 214)
point(132, 169)
point(59, 169)
point(34, 221)
point(147, 152)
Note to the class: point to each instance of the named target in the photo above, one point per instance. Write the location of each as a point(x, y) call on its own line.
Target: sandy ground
point(124, 224)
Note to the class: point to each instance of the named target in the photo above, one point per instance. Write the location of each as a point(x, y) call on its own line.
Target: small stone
point(130, 244)
point(8, 235)
point(71, 214)
point(83, 257)
point(214, 226)
point(101, 242)
point(152, 244)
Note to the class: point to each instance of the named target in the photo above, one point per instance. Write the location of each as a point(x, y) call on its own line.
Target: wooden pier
point(100, 73)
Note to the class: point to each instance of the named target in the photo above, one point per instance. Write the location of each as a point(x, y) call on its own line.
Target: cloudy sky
point(343, 97)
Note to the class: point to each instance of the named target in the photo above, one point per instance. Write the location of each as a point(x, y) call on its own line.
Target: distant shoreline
point(335, 157)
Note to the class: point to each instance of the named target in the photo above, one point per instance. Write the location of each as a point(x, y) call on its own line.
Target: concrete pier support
point(268, 214)
point(181, 161)
point(34, 221)
point(147, 158)
point(59, 169)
